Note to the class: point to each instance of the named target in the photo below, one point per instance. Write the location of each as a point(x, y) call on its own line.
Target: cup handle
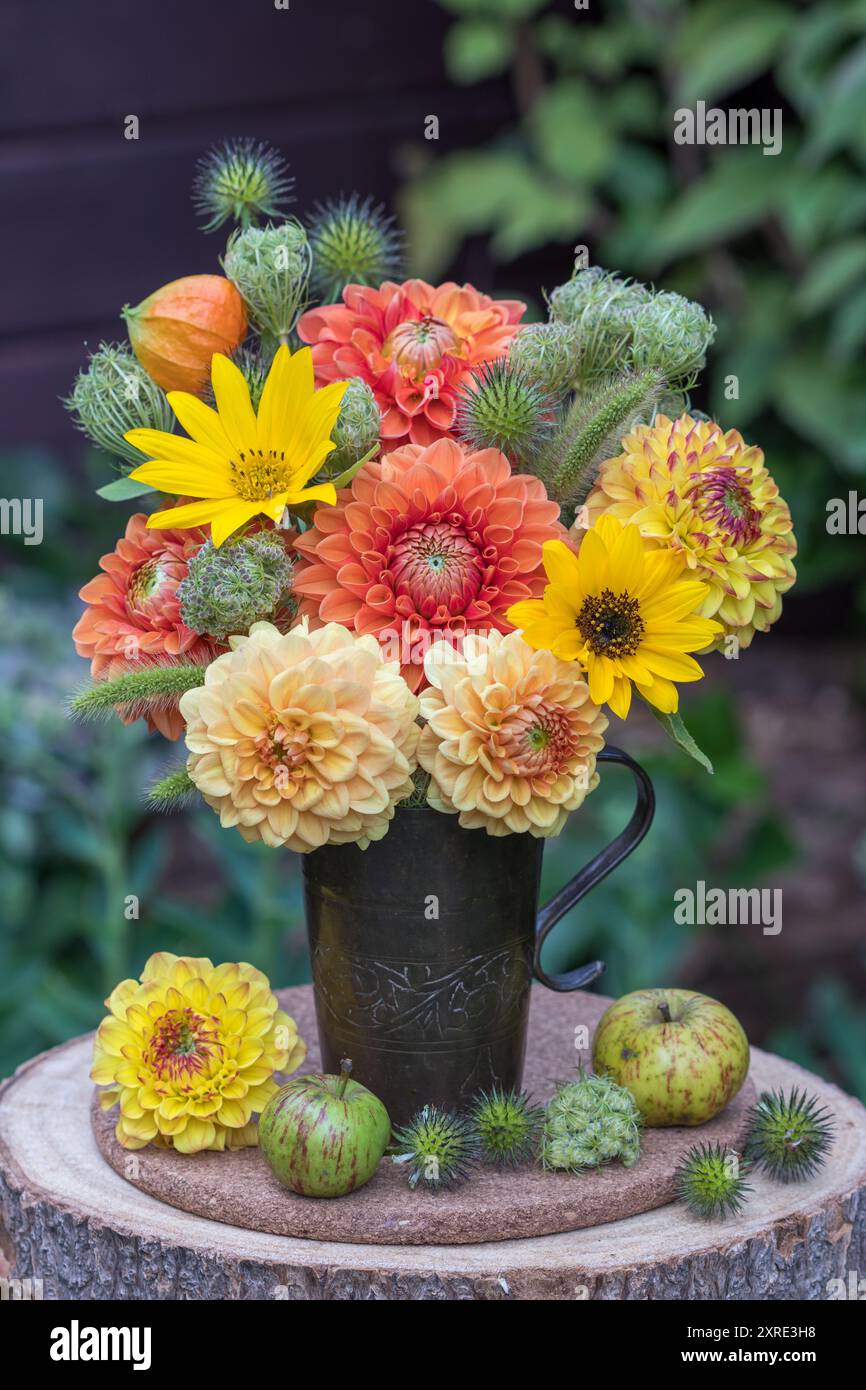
point(593, 873)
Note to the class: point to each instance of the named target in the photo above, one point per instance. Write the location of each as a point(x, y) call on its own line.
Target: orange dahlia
point(703, 493)
point(426, 543)
point(133, 612)
point(415, 344)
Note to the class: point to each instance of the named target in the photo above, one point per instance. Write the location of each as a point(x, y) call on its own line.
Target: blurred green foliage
point(774, 246)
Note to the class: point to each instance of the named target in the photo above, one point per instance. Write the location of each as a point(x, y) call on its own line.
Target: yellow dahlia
point(511, 735)
point(692, 488)
point(189, 1053)
point(240, 464)
point(302, 738)
point(625, 611)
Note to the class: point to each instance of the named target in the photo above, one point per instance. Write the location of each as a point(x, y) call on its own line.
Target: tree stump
point(86, 1233)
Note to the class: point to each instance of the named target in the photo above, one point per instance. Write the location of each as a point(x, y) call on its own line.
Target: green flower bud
point(270, 268)
point(671, 334)
point(241, 181)
point(354, 242)
point(357, 428)
point(547, 354)
point(620, 324)
point(113, 394)
point(248, 580)
point(589, 1122)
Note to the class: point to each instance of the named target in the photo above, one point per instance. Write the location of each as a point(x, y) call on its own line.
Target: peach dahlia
point(511, 736)
point(133, 611)
point(415, 344)
point(427, 543)
point(302, 738)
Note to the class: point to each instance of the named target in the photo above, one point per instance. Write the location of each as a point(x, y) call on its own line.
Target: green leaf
point(675, 728)
point(348, 474)
point(828, 408)
point(848, 330)
point(739, 190)
point(841, 115)
point(570, 135)
point(122, 489)
point(496, 191)
point(736, 51)
point(476, 49)
point(832, 274)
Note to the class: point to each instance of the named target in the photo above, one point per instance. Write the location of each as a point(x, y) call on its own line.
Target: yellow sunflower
point(624, 611)
point(242, 465)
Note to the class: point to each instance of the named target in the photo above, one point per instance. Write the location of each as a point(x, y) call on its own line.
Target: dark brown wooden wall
point(90, 221)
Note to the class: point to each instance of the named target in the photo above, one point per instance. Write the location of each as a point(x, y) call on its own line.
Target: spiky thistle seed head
point(589, 1122)
point(502, 409)
point(241, 181)
point(506, 1125)
point(790, 1135)
point(711, 1182)
point(547, 354)
point(113, 394)
point(247, 580)
point(270, 268)
point(438, 1147)
point(354, 241)
point(357, 428)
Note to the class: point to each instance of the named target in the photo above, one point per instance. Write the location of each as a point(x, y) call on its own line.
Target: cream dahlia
point(511, 736)
point(415, 344)
point(302, 738)
point(426, 543)
point(692, 488)
point(133, 611)
point(189, 1053)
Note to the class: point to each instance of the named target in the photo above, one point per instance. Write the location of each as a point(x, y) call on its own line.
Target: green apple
point(682, 1055)
point(324, 1136)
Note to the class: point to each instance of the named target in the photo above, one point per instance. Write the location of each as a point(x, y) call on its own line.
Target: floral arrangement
point(399, 547)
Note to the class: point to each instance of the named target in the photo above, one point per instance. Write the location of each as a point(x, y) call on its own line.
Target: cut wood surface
point(87, 1233)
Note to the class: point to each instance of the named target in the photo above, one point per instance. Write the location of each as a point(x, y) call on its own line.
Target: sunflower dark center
point(610, 624)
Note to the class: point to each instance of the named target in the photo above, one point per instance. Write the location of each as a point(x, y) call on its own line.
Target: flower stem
point(345, 1073)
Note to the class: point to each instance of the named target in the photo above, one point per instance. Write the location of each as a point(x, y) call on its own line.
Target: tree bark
point(85, 1233)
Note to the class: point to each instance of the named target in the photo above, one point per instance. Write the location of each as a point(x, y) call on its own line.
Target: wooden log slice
point(498, 1204)
point(87, 1233)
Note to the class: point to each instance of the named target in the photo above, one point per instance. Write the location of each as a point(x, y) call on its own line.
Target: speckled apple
point(324, 1135)
point(682, 1055)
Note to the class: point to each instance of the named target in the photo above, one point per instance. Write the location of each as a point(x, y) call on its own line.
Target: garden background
point(554, 129)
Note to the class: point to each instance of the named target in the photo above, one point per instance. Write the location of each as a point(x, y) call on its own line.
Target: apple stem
point(664, 1010)
point(345, 1073)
